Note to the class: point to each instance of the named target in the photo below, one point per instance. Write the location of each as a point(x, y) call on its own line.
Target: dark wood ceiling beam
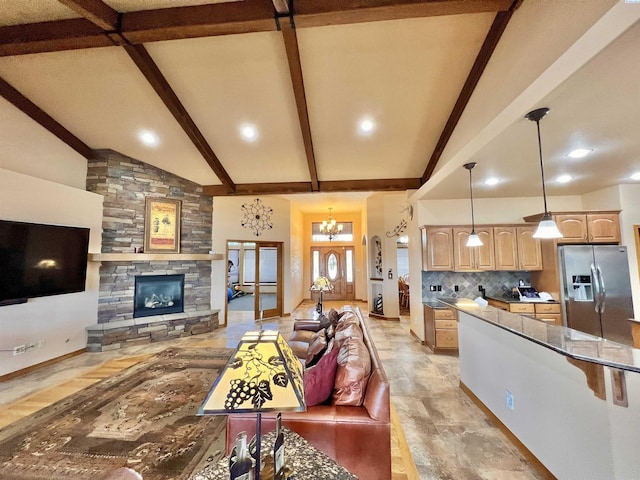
point(97, 12)
point(214, 19)
point(295, 71)
point(21, 102)
point(51, 37)
point(380, 185)
point(154, 76)
point(490, 42)
point(199, 21)
point(316, 13)
point(259, 189)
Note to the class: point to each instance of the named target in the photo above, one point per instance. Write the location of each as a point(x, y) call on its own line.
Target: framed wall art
point(162, 225)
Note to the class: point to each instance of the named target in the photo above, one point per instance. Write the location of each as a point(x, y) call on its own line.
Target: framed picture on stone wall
point(162, 225)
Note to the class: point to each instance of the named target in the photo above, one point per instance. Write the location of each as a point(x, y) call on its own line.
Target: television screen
point(39, 260)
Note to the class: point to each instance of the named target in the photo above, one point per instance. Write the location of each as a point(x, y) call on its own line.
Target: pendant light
point(474, 239)
point(547, 228)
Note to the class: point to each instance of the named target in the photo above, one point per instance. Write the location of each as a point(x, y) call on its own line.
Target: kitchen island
point(570, 399)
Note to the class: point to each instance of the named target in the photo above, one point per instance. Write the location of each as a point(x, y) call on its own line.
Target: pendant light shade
point(474, 239)
point(547, 228)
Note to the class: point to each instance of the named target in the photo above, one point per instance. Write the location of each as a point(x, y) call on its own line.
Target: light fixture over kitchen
point(474, 239)
point(547, 227)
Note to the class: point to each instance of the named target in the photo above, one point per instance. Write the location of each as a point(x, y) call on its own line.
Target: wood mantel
point(148, 257)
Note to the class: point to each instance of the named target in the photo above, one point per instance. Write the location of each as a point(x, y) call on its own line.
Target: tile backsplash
point(468, 283)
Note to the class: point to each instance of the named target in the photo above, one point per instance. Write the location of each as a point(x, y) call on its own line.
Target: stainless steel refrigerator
point(596, 290)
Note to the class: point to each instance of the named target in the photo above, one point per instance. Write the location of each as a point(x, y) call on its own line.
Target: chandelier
point(330, 228)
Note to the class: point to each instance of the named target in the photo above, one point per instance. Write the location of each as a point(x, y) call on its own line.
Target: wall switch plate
point(508, 399)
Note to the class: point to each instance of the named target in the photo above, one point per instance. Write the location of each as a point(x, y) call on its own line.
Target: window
point(349, 261)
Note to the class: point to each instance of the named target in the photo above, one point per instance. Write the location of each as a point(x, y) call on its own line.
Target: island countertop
point(566, 341)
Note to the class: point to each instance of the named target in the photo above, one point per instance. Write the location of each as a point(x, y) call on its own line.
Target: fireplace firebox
point(158, 295)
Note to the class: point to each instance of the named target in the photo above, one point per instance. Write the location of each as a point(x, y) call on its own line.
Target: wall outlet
point(508, 399)
point(439, 288)
point(456, 288)
point(480, 288)
point(19, 349)
point(432, 288)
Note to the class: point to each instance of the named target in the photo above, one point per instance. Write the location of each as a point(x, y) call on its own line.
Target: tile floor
point(449, 436)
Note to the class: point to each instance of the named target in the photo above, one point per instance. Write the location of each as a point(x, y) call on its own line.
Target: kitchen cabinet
point(547, 312)
point(516, 249)
point(438, 249)
point(441, 329)
point(473, 258)
point(586, 227)
point(529, 250)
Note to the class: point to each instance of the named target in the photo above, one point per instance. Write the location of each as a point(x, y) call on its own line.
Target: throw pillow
point(319, 380)
point(334, 316)
point(316, 348)
point(350, 331)
point(352, 375)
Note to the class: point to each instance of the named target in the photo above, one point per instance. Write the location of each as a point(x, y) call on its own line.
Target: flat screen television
point(39, 260)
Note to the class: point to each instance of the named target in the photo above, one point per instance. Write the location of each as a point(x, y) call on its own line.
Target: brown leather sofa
point(357, 437)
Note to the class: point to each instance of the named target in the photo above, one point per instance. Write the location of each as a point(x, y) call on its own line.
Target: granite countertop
point(434, 304)
point(501, 298)
point(307, 462)
point(566, 341)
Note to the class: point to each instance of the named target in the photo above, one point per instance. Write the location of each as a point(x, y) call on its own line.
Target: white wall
point(491, 210)
point(296, 273)
point(60, 320)
point(227, 218)
point(556, 416)
point(384, 213)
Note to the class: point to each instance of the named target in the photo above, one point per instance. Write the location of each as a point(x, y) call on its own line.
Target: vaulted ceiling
point(82, 75)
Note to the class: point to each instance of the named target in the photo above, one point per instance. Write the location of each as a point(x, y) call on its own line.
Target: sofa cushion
point(316, 348)
point(352, 375)
point(319, 379)
point(352, 330)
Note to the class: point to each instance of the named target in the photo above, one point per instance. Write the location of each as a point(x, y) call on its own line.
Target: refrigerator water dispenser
point(582, 291)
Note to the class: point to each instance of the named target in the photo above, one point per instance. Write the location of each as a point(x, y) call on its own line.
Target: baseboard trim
point(531, 458)
point(24, 371)
point(413, 334)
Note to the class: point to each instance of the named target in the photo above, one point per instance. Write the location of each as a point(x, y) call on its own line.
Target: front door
point(337, 264)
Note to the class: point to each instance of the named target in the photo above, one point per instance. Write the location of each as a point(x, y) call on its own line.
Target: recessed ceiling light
point(580, 152)
point(366, 126)
point(635, 176)
point(249, 132)
point(564, 179)
point(492, 181)
point(149, 138)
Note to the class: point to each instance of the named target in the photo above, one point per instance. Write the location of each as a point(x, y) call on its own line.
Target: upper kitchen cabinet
point(473, 258)
point(529, 251)
point(516, 249)
point(586, 227)
point(437, 248)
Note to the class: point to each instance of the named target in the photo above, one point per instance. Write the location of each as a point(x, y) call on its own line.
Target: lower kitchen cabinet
point(547, 312)
point(441, 329)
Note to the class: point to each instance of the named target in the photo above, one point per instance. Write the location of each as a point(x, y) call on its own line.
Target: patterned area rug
point(143, 417)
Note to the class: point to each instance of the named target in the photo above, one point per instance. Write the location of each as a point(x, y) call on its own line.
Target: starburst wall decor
point(257, 216)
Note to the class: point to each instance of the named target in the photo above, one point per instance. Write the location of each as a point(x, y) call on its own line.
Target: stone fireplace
point(125, 183)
